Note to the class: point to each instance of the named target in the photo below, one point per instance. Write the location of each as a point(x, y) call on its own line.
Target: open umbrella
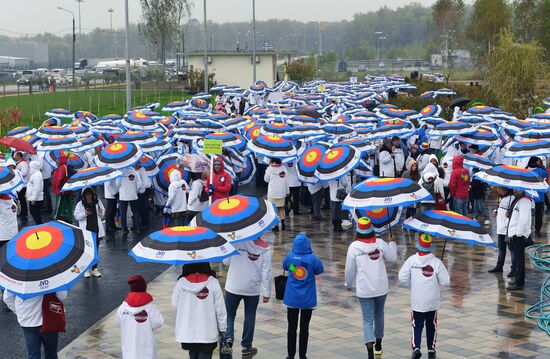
point(461, 101)
point(53, 131)
point(308, 162)
point(166, 164)
point(273, 147)
point(59, 113)
point(90, 177)
point(480, 137)
point(59, 143)
point(238, 218)
point(119, 155)
point(452, 128)
point(182, 245)
point(513, 177)
point(337, 162)
point(89, 143)
point(157, 145)
point(73, 159)
point(9, 180)
point(247, 173)
point(528, 148)
point(17, 143)
point(476, 161)
point(140, 121)
point(46, 258)
point(377, 192)
point(149, 165)
point(381, 218)
point(21, 131)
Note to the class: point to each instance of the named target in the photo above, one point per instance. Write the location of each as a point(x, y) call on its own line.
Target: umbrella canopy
point(90, 177)
point(381, 218)
point(59, 113)
point(377, 192)
point(149, 165)
point(450, 225)
point(182, 245)
point(461, 101)
point(46, 258)
point(452, 128)
point(9, 180)
point(21, 131)
point(308, 162)
point(73, 159)
point(513, 177)
point(273, 147)
point(166, 164)
point(89, 143)
point(238, 218)
point(53, 131)
point(396, 112)
point(137, 137)
point(337, 162)
point(392, 128)
point(140, 121)
point(476, 161)
point(119, 155)
point(529, 148)
point(228, 139)
point(248, 172)
point(59, 143)
point(480, 137)
point(157, 145)
point(18, 143)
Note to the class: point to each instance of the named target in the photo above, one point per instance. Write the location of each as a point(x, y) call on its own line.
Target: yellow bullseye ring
point(183, 228)
point(333, 154)
point(382, 180)
point(229, 204)
point(311, 156)
point(116, 147)
point(38, 240)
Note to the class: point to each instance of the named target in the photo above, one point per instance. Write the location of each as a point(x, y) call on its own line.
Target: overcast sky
point(20, 17)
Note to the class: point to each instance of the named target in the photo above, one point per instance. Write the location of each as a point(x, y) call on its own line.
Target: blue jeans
point(232, 302)
point(461, 206)
point(135, 214)
point(35, 340)
point(373, 315)
point(480, 209)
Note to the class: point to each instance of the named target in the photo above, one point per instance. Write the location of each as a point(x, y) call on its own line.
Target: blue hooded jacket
point(302, 266)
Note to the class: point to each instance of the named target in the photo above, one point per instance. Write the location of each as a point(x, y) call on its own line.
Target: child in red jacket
point(459, 186)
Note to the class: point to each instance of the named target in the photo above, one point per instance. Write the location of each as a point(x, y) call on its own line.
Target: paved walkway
point(478, 318)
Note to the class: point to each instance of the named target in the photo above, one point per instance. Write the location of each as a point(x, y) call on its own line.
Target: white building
point(235, 68)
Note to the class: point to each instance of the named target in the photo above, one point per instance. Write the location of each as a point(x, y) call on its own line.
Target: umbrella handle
point(389, 220)
point(444, 245)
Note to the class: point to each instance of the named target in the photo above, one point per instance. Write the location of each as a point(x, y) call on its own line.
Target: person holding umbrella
point(535, 164)
point(8, 220)
point(424, 273)
point(201, 317)
point(276, 176)
point(501, 214)
point(35, 192)
point(366, 267)
point(23, 167)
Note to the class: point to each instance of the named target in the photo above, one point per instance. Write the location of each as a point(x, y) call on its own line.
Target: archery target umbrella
point(119, 155)
point(9, 180)
point(183, 245)
point(337, 162)
point(46, 258)
point(238, 218)
point(513, 177)
point(90, 177)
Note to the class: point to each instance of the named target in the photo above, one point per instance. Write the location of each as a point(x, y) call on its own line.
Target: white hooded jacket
point(277, 178)
point(35, 186)
point(200, 311)
point(177, 199)
point(521, 218)
point(424, 274)
point(129, 185)
point(386, 164)
point(8, 218)
point(194, 203)
point(137, 326)
point(251, 270)
point(82, 218)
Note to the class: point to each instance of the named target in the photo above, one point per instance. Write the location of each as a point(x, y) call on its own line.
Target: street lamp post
point(127, 50)
point(381, 45)
point(74, 37)
point(254, 41)
point(79, 18)
point(378, 33)
point(110, 11)
point(205, 50)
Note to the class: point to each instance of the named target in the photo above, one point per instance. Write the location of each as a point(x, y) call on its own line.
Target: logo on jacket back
point(203, 294)
point(253, 257)
point(13, 208)
point(298, 272)
point(374, 255)
point(282, 174)
point(131, 177)
point(428, 271)
point(141, 317)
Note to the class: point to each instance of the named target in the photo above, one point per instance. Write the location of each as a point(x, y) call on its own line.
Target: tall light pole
point(378, 33)
point(381, 45)
point(74, 36)
point(79, 18)
point(205, 50)
point(128, 76)
point(254, 41)
point(110, 11)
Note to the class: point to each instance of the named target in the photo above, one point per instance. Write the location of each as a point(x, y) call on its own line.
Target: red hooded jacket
point(460, 179)
point(60, 176)
point(222, 182)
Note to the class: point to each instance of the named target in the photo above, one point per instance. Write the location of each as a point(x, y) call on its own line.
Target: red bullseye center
point(230, 207)
point(31, 246)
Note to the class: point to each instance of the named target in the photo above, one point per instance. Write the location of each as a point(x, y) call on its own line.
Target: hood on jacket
point(136, 300)
point(427, 175)
point(195, 286)
point(222, 163)
point(301, 245)
point(458, 162)
point(424, 258)
point(433, 157)
point(62, 160)
point(258, 246)
point(410, 164)
point(175, 176)
point(35, 166)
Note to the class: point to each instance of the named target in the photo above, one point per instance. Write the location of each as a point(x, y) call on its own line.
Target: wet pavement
point(478, 317)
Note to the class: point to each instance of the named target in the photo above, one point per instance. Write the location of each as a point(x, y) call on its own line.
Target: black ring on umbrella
point(236, 226)
point(457, 226)
point(385, 193)
point(217, 241)
point(509, 176)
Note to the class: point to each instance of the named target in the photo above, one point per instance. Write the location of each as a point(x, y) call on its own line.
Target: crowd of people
point(204, 312)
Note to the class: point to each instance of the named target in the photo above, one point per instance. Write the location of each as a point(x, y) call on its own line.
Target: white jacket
point(137, 326)
point(520, 221)
point(111, 189)
point(35, 186)
point(424, 274)
point(277, 179)
point(386, 164)
point(366, 266)
point(502, 210)
point(200, 311)
point(28, 312)
point(293, 180)
point(129, 185)
point(194, 203)
point(82, 218)
point(437, 185)
point(177, 199)
point(145, 180)
point(23, 168)
point(399, 158)
point(343, 182)
point(251, 270)
point(8, 219)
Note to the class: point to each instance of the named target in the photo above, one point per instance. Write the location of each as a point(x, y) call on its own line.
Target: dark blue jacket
point(302, 267)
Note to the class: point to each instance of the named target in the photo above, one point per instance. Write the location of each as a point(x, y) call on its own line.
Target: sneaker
point(514, 286)
point(431, 354)
point(378, 346)
point(416, 354)
point(511, 274)
point(485, 223)
point(226, 347)
point(87, 274)
point(249, 351)
point(95, 272)
point(276, 229)
point(495, 270)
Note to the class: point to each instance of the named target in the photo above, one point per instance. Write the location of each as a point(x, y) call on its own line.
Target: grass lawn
point(98, 101)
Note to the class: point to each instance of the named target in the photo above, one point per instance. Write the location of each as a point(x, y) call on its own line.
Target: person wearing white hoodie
point(35, 192)
point(248, 273)
point(29, 317)
point(196, 203)
point(201, 317)
point(276, 175)
point(8, 221)
point(366, 267)
point(129, 187)
point(424, 273)
point(177, 199)
point(138, 317)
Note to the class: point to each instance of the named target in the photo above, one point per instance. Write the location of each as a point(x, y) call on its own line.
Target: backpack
point(203, 196)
